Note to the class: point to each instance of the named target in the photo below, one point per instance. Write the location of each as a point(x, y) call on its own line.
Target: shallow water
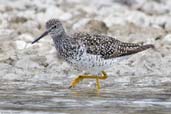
point(19, 97)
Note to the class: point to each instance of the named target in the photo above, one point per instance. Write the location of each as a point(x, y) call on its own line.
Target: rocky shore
point(133, 21)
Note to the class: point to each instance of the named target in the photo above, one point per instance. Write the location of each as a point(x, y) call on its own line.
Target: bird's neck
point(57, 37)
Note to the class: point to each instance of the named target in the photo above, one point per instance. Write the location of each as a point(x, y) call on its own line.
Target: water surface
point(20, 97)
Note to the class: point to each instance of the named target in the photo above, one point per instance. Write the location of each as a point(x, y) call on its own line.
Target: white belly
point(94, 63)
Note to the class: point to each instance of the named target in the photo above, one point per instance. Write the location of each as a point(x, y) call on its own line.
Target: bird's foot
point(76, 81)
point(81, 77)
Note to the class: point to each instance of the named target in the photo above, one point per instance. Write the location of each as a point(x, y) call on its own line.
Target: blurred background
point(32, 79)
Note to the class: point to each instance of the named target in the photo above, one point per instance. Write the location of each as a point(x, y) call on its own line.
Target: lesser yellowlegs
point(90, 52)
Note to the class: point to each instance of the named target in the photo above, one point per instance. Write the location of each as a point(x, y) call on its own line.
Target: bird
point(90, 52)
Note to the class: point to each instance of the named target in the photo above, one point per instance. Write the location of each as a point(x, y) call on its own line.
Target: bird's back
point(108, 47)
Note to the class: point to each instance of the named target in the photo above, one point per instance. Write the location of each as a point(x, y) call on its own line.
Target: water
point(19, 97)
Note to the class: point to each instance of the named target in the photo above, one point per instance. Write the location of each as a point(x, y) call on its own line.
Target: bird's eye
point(54, 26)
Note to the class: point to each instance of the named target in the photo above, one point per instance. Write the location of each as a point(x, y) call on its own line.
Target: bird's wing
point(108, 47)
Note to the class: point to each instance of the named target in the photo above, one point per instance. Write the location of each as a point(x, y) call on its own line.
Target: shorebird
point(90, 52)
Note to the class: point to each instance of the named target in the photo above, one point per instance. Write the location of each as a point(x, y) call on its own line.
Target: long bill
point(41, 36)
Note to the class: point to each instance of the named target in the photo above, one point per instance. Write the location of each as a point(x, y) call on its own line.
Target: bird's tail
point(142, 48)
point(147, 46)
point(135, 48)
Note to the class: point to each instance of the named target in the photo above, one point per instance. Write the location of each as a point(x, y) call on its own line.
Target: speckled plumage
point(90, 52)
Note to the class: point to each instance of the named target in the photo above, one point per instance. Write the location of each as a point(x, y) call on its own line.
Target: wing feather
point(108, 47)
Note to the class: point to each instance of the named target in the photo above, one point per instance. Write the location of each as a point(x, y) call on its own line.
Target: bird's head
point(53, 27)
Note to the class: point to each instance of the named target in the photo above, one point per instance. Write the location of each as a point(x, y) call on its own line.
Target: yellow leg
point(81, 77)
point(97, 83)
point(104, 76)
